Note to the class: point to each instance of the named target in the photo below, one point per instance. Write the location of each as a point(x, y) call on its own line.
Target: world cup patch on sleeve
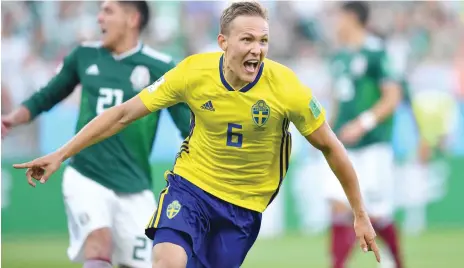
point(151, 88)
point(315, 107)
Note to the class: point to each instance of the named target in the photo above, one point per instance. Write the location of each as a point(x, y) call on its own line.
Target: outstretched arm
point(101, 127)
point(309, 118)
point(165, 92)
point(325, 140)
point(104, 126)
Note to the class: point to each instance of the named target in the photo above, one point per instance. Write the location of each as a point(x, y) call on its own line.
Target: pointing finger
point(375, 249)
point(24, 165)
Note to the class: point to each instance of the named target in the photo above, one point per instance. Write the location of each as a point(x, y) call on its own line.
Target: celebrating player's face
point(246, 46)
point(112, 20)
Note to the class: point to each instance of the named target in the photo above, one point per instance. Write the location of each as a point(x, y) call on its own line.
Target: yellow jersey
point(239, 144)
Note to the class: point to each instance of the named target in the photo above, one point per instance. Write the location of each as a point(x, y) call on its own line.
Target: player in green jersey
point(366, 96)
point(107, 187)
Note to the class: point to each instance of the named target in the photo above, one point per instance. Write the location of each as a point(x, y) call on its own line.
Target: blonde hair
point(241, 8)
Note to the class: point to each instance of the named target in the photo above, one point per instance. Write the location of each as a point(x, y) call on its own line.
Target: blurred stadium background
point(426, 42)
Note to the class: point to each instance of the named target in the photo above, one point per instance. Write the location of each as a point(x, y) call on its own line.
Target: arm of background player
point(391, 96)
point(180, 114)
point(57, 89)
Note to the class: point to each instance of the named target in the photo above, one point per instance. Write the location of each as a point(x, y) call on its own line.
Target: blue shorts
point(213, 232)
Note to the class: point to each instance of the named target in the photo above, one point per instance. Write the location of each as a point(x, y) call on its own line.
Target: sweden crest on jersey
point(260, 113)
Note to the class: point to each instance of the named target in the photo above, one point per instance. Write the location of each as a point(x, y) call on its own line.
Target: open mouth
point(103, 31)
point(251, 65)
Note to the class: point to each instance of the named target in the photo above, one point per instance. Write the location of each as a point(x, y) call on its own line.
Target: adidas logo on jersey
point(92, 70)
point(208, 106)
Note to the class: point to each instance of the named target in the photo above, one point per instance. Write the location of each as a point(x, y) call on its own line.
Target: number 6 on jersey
point(234, 139)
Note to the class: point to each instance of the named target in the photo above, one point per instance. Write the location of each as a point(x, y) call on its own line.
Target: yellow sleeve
point(305, 111)
point(166, 91)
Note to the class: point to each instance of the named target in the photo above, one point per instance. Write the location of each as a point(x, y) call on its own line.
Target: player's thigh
point(131, 247)
point(378, 188)
point(88, 209)
point(171, 248)
point(231, 237)
point(182, 210)
point(232, 232)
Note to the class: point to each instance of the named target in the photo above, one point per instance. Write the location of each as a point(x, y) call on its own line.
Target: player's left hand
point(366, 235)
point(351, 132)
point(41, 168)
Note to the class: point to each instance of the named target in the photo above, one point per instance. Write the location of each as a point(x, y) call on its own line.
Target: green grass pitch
point(435, 248)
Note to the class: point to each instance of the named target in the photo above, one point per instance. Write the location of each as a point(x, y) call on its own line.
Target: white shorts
point(374, 166)
point(91, 206)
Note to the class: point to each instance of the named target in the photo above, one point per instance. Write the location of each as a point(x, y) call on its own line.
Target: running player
point(231, 166)
point(366, 98)
point(104, 183)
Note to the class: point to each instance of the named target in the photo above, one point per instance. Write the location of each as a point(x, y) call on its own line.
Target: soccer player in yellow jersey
point(231, 166)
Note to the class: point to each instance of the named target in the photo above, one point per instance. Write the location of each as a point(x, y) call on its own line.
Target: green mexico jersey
point(120, 162)
point(358, 77)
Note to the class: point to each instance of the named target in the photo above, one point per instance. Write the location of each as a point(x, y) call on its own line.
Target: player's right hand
point(41, 168)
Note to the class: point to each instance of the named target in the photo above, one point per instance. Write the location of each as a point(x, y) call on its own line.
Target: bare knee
point(98, 245)
point(168, 255)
